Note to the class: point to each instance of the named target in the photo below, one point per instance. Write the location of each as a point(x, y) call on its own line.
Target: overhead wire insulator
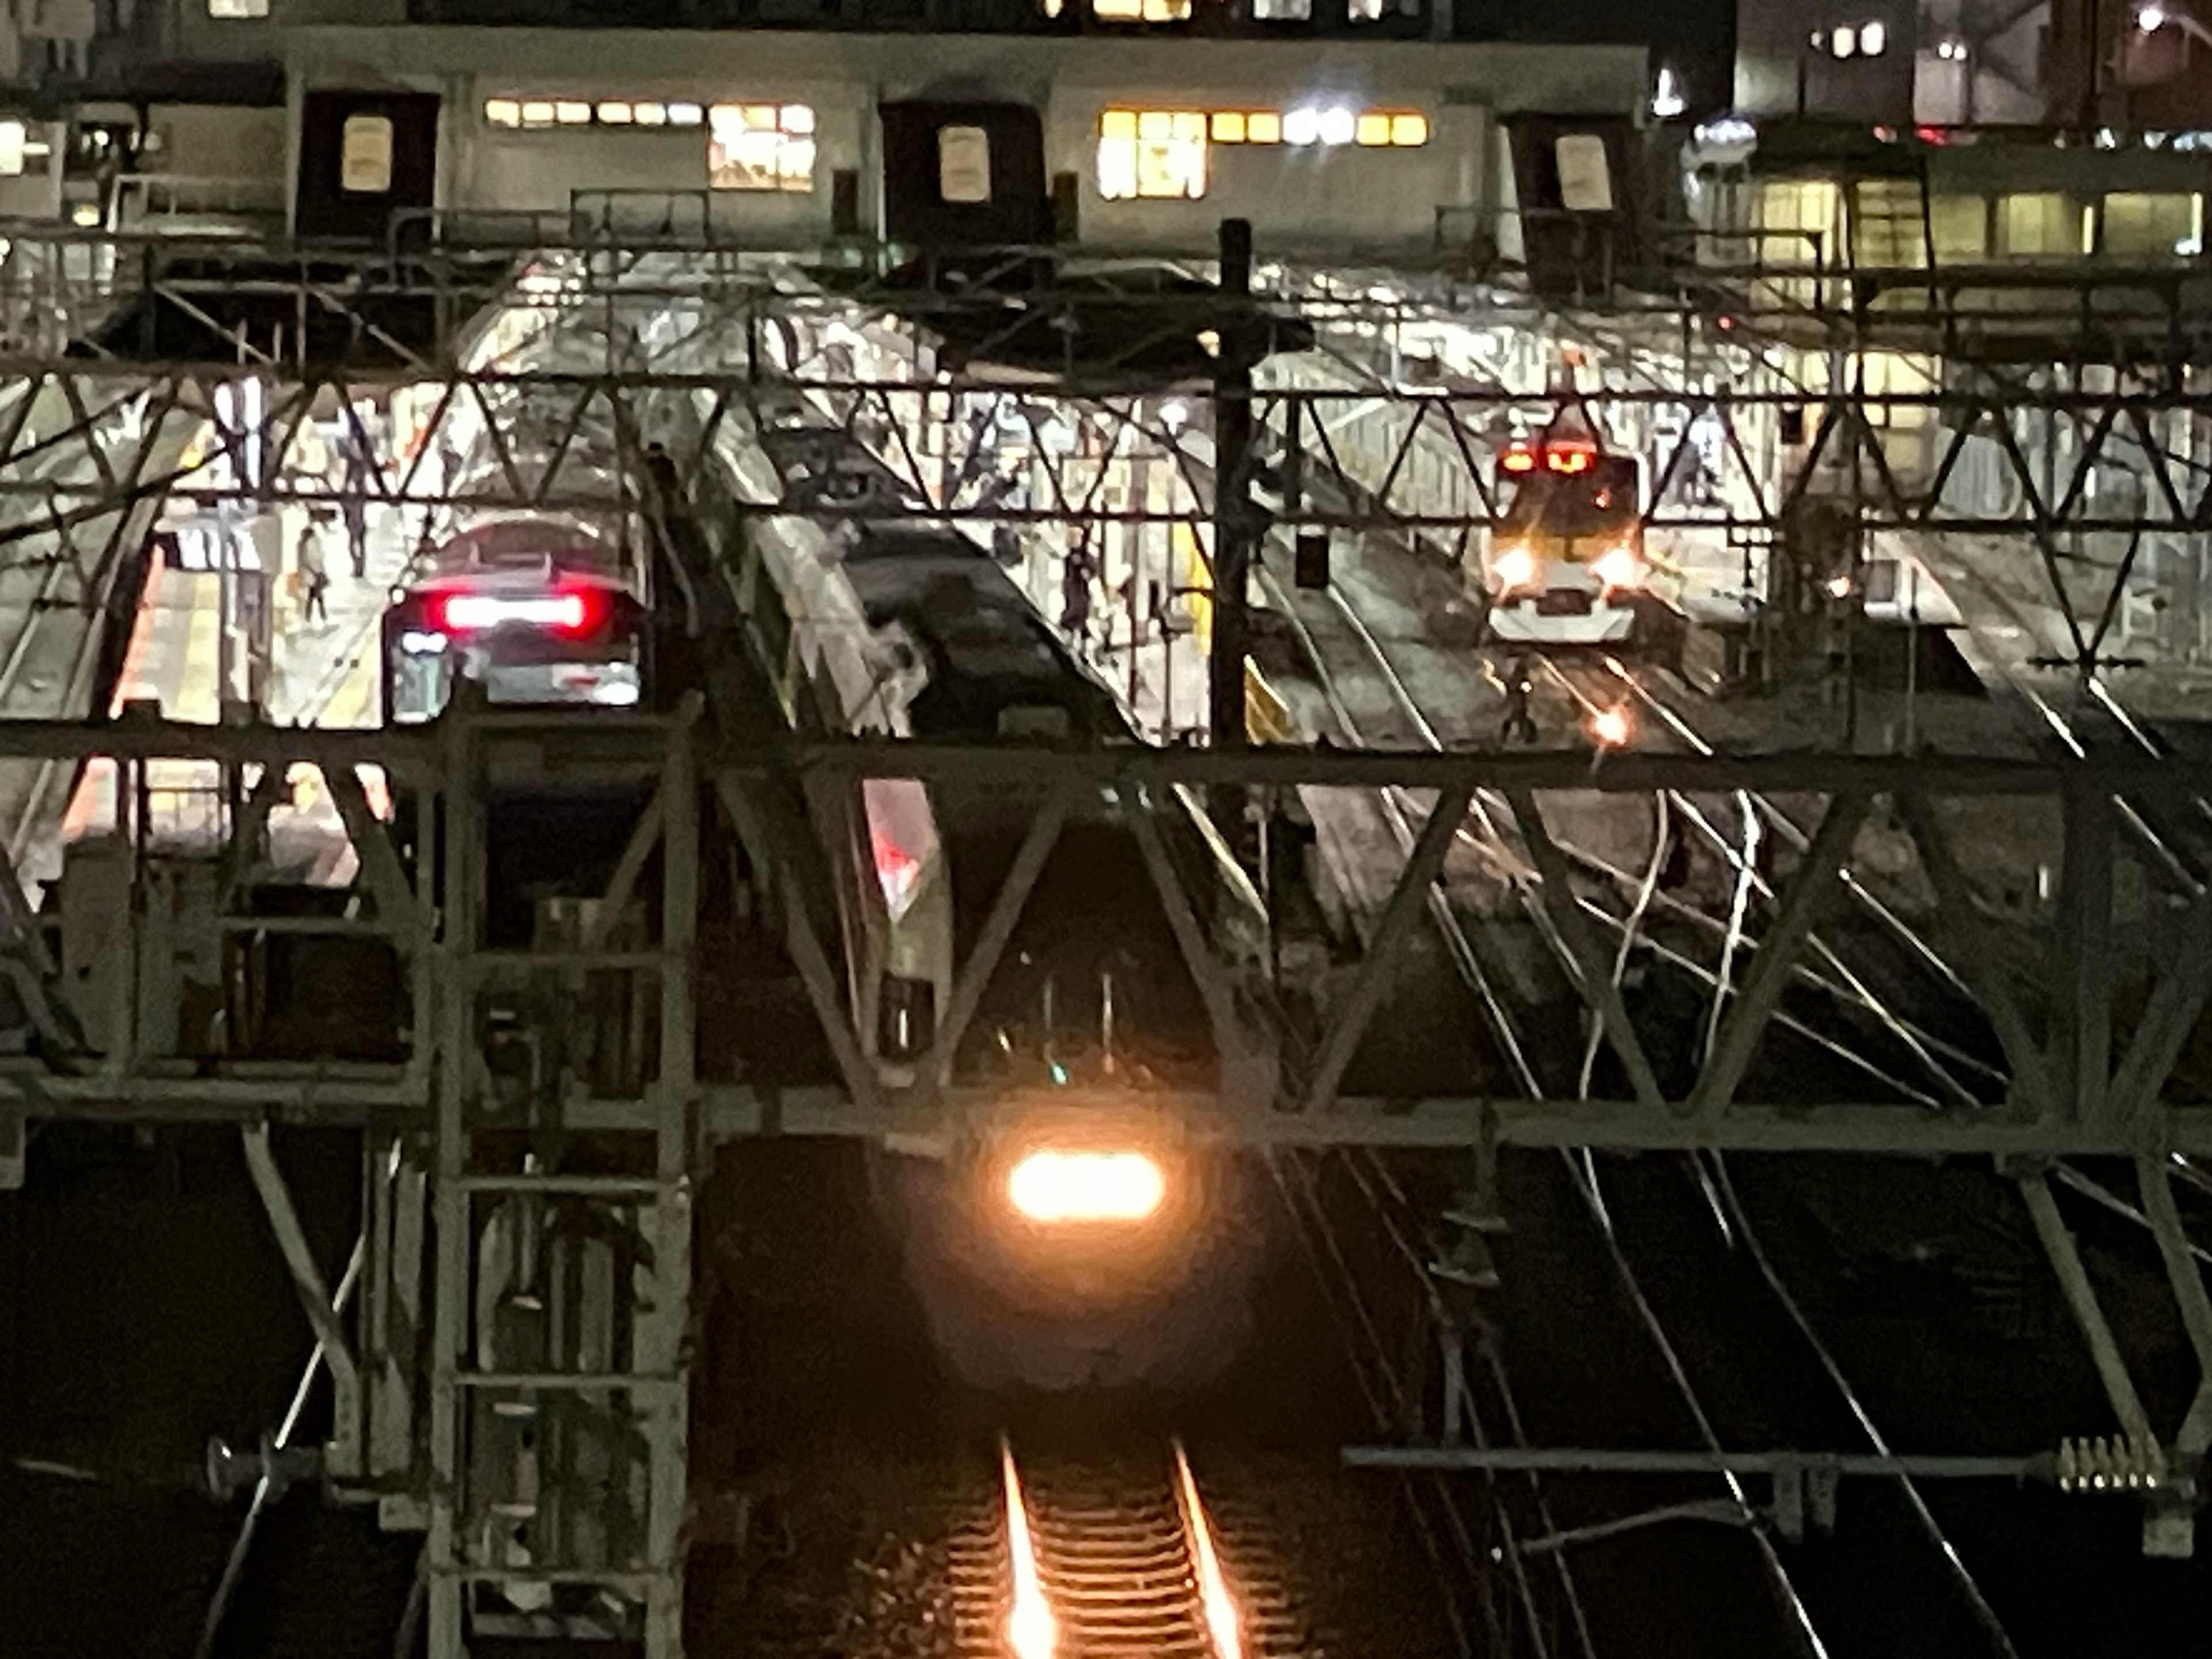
point(2103, 1463)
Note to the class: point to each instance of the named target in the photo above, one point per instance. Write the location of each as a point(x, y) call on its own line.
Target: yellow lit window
point(2143, 225)
point(2034, 222)
point(1140, 11)
point(1409, 131)
point(503, 112)
point(1960, 225)
point(1373, 130)
point(537, 112)
point(1156, 153)
point(651, 115)
point(760, 147)
point(573, 113)
point(1263, 127)
point(616, 114)
point(1228, 127)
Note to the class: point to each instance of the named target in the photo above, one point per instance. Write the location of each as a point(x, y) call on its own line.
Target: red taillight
point(1563, 458)
point(1517, 460)
point(574, 611)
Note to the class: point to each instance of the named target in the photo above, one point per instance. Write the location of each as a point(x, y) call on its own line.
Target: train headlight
point(1619, 567)
point(1052, 1187)
point(1611, 727)
point(1515, 566)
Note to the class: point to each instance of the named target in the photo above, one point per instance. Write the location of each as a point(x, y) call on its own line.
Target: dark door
point(964, 175)
point(363, 157)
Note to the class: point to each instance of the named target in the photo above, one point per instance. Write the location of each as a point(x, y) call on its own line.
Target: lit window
point(964, 164)
point(1409, 131)
point(1263, 127)
point(1874, 39)
point(1282, 11)
point(238, 8)
point(573, 112)
point(503, 112)
point(2139, 224)
point(1338, 125)
point(650, 115)
point(1374, 128)
point(15, 139)
point(616, 114)
point(1302, 127)
point(1844, 41)
point(1140, 11)
point(1155, 153)
point(759, 146)
point(365, 155)
point(537, 112)
point(1365, 11)
point(1228, 127)
point(686, 115)
point(1960, 226)
point(2035, 223)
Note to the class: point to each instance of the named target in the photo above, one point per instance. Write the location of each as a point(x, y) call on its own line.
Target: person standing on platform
point(315, 574)
point(354, 497)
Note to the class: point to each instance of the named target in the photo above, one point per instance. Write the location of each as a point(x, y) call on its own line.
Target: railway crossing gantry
point(552, 1099)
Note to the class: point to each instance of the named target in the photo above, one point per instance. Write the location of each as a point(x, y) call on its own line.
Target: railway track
point(1122, 1558)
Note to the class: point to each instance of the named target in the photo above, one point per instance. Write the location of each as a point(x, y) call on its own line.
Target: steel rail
point(1587, 1186)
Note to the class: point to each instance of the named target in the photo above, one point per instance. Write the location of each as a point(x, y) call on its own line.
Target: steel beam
point(342, 1456)
point(2089, 1313)
point(1446, 814)
point(1747, 1021)
point(1550, 1460)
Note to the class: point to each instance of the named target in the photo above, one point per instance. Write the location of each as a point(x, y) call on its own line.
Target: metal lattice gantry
point(535, 1113)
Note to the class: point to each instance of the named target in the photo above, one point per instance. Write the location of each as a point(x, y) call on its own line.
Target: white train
point(790, 140)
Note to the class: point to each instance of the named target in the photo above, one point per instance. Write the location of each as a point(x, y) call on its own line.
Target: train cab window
point(964, 164)
point(238, 8)
point(761, 147)
point(1154, 154)
point(365, 155)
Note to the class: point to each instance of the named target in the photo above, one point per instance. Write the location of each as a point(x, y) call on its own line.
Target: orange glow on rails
point(1221, 1620)
point(1031, 1631)
point(1053, 1186)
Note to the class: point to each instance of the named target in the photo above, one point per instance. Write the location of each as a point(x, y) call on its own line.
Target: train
point(1565, 564)
point(538, 607)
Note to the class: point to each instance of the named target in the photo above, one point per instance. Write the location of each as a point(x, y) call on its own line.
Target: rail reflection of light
point(1054, 1186)
point(1031, 1631)
point(1221, 1622)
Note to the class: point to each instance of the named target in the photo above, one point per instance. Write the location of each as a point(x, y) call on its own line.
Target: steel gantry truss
point(513, 1380)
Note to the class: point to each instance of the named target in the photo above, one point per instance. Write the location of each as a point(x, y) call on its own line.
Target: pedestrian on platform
point(353, 495)
point(315, 574)
point(1520, 726)
point(1075, 594)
